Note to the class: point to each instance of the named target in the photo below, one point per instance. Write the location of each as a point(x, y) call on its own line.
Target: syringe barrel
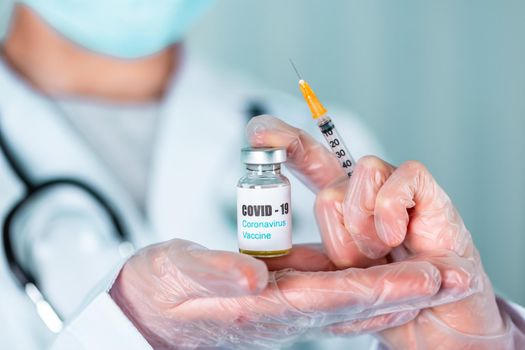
point(336, 144)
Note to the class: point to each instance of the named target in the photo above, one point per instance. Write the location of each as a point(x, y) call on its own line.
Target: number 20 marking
point(334, 143)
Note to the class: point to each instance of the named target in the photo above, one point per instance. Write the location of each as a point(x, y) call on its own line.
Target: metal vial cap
point(263, 155)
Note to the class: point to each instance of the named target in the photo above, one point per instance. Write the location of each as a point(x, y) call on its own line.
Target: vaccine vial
point(264, 211)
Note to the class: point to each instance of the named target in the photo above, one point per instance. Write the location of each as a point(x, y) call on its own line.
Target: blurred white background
point(438, 81)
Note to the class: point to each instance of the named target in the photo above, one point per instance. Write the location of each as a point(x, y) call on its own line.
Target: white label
point(264, 218)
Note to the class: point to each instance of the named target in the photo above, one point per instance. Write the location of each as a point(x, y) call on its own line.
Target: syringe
point(326, 125)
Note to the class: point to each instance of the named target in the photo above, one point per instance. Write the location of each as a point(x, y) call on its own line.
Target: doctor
point(124, 150)
point(101, 153)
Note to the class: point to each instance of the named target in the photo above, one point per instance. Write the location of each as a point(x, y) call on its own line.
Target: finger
point(310, 161)
point(322, 298)
point(340, 245)
point(434, 222)
point(195, 271)
point(354, 291)
point(302, 257)
point(371, 325)
point(358, 207)
point(460, 277)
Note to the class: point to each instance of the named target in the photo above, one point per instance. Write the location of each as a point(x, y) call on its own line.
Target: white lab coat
point(195, 165)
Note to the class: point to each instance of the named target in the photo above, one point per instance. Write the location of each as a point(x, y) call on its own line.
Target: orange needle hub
point(315, 106)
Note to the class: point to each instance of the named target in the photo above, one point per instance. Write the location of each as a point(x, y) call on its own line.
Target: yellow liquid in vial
point(265, 254)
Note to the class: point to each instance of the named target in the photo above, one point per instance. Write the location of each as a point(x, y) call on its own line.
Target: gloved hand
point(181, 295)
point(402, 213)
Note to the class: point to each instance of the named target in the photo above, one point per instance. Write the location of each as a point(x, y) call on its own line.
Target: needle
point(295, 69)
point(326, 125)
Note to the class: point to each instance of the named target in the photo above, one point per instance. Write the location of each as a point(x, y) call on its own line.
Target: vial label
point(264, 218)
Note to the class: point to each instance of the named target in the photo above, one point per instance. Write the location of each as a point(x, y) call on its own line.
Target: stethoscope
point(25, 278)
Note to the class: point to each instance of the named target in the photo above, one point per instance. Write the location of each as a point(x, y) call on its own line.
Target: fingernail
point(391, 234)
point(379, 179)
point(373, 251)
point(256, 125)
point(255, 132)
point(373, 183)
point(254, 280)
point(462, 279)
point(259, 128)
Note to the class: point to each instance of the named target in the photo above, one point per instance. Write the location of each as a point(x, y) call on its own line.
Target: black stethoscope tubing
point(32, 189)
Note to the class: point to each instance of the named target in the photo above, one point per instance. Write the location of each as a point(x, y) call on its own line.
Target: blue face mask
point(121, 28)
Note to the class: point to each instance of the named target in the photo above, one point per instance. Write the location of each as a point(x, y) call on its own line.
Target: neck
point(58, 67)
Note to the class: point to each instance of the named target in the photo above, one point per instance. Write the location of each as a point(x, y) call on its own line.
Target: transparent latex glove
point(384, 212)
point(181, 295)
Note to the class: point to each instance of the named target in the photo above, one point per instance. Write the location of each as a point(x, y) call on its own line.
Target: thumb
point(309, 160)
